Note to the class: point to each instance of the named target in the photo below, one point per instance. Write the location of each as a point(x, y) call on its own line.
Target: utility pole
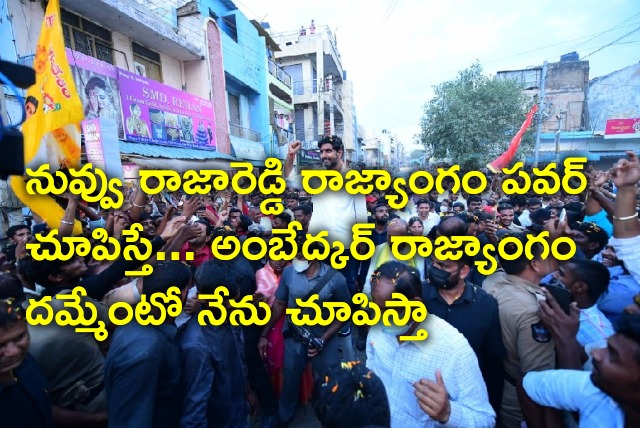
point(540, 110)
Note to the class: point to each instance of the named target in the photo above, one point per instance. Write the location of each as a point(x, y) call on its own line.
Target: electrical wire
point(612, 43)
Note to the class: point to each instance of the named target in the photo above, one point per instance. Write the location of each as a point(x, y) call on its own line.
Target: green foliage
point(472, 119)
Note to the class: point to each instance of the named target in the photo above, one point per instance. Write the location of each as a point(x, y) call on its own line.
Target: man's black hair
point(284, 216)
point(245, 222)
point(305, 208)
point(424, 201)
point(207, 225)
point(594, 274)
point(628, 325)
point(474, 198)
point(334, 140)
point(11, 298)
point(595, 234)
point(573, 206)
point(166, 275)
point(534, 201)
point(407, 279)
point(216, 273)
point(11, 232)
point(517, 266)
point(40, 270)
point(503, 207)
point(458, 205)
point(519, 200)
point(351, 395)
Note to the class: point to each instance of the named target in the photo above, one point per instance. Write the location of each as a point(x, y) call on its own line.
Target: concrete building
point(350, 133)
point(565, 92)
point(244, 52)
point(311, 57)
point(598, 119)
point(280, 98)
point(168, 43)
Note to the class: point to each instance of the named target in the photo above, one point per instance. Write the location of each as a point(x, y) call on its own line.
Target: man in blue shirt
point(214, 373)
point(142, 368)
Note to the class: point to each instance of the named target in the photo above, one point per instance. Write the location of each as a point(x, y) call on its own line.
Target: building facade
point(311, 57)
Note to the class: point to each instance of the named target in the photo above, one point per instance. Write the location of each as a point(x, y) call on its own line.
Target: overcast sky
point(395, 51)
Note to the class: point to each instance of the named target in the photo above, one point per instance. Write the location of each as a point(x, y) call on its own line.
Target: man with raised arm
point(334, 212)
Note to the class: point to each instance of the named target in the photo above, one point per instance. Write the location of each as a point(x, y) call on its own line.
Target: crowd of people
point(541, 341)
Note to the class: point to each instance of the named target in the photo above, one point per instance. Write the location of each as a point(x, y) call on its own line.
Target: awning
point(249, 151)
point(546, 157)
point(153, 156)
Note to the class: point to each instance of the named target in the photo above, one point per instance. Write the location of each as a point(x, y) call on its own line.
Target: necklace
point(455, 299)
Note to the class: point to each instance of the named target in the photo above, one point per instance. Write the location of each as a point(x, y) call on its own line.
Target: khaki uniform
point(529, 345)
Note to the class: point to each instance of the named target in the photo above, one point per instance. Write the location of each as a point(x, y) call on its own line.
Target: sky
point(395, 51)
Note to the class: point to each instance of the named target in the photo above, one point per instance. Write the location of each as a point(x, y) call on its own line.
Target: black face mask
point(441, 279)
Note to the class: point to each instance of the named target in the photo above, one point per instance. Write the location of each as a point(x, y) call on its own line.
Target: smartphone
point(563, 215)
point(39, 228)
point(562, 296)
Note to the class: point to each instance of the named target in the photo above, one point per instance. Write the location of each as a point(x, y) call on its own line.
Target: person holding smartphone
point(583, 282)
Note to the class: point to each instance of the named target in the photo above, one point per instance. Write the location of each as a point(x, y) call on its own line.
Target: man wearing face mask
point(449, 295)
point(323, 346)
point(517, 289)
point(430, 382)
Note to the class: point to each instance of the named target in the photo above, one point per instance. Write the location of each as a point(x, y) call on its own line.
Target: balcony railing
point(302, 87)
point(246, 133)
point(279, 73)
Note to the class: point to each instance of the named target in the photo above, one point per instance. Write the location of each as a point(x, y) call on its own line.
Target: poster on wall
point(97, 84)
point(157, 113)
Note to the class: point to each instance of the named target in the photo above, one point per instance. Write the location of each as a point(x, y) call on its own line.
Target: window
point(234, 109)
point(146, 62)
point(86, 37)
point(229, 26)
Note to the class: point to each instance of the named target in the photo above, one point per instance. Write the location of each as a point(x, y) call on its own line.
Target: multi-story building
point(280, 98)
point(245, 75)
point(311, 57)
point(164, 47)
point(581, 117)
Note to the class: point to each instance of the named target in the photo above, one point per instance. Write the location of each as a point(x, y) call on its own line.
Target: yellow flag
point(52, 105)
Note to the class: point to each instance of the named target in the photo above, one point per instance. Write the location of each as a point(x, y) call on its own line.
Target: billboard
point(145, 111)
point(157, 113)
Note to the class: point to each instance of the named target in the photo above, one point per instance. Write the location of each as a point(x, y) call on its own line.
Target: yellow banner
point(53, 107)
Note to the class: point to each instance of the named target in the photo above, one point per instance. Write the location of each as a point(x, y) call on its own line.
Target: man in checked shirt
point(430, 382)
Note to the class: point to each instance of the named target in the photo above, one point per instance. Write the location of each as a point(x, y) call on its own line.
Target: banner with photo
point(97, 83)
point(145, 111)
point(157, 113)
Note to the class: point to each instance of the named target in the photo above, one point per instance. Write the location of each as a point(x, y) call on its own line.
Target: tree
point(472, 119)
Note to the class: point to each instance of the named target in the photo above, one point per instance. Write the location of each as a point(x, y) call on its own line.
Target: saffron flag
point(54, 111)
point(504, 159)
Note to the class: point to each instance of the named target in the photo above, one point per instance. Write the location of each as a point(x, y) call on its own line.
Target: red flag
point(504, 159)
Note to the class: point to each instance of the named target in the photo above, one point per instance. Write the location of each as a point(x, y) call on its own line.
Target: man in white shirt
point(608, 397)
point(430, 382)
point(426, 213)
point(587, 280)
point(334, 212)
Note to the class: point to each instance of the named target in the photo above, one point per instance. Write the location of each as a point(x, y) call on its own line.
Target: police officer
point(528, 343)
